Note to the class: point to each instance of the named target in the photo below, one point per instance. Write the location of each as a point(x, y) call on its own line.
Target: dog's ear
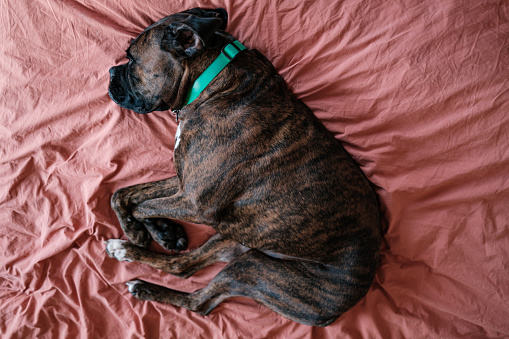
point(191, 36)
point(219, 13)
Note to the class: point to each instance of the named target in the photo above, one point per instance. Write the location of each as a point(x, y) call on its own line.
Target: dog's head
point(160, 56)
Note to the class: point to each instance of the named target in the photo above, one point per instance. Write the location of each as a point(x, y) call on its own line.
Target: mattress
point(417, 91)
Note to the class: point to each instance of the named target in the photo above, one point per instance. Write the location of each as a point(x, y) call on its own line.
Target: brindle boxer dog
point(296, 219)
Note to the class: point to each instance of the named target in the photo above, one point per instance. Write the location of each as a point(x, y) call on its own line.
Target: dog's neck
point(226, 55)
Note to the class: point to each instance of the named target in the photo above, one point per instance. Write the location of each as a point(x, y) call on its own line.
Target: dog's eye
point(130, 56)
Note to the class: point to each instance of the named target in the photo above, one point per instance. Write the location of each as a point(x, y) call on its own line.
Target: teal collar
point(227, 54)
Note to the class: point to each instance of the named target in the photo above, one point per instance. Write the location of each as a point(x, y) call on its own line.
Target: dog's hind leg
point(307, 292)
point(216, 249)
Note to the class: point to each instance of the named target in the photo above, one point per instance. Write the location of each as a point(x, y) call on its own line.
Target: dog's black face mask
point(151, 79)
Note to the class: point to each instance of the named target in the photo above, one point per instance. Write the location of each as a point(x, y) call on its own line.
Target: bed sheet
point(417, 91)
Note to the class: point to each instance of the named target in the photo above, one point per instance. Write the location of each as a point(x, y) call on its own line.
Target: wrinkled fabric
point(417, 91)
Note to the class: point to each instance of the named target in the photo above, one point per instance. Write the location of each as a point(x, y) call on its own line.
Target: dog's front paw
point(167, 233)
point(119, 249)
point(141, 289)
point(136, 232)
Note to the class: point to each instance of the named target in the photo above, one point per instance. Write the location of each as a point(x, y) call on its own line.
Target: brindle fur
point(296, 219)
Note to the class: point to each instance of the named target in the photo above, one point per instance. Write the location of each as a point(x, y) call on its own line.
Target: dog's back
point(278, 171)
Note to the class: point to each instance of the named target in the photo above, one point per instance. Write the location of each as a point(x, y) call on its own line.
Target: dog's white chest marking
point(177, 138)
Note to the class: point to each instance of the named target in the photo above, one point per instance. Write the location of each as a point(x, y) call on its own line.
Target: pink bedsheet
point(418, 91)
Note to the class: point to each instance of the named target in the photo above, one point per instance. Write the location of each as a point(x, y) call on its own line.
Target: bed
point(417, 91)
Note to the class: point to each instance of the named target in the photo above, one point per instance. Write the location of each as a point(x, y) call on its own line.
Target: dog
point(295, 218)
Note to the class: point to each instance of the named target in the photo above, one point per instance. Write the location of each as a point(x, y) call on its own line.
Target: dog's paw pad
point(181, 244)
point(168, 234)
point(116, 249)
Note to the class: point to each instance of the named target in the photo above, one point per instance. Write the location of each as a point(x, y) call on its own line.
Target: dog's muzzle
point(121, 93)
point(116, 91)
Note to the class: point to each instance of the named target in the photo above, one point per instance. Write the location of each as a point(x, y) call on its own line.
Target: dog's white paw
point(116, 249)
point(131, 285)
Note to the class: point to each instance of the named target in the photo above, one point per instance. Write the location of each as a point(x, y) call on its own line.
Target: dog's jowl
point(296, 220)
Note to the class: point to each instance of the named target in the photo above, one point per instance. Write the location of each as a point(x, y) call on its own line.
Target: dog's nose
point(112, 71)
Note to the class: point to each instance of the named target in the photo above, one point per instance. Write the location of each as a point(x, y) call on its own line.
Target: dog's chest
point(177, 136)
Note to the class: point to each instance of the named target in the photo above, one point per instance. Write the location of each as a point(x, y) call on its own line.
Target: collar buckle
point(231, 50)
point(176, 114)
